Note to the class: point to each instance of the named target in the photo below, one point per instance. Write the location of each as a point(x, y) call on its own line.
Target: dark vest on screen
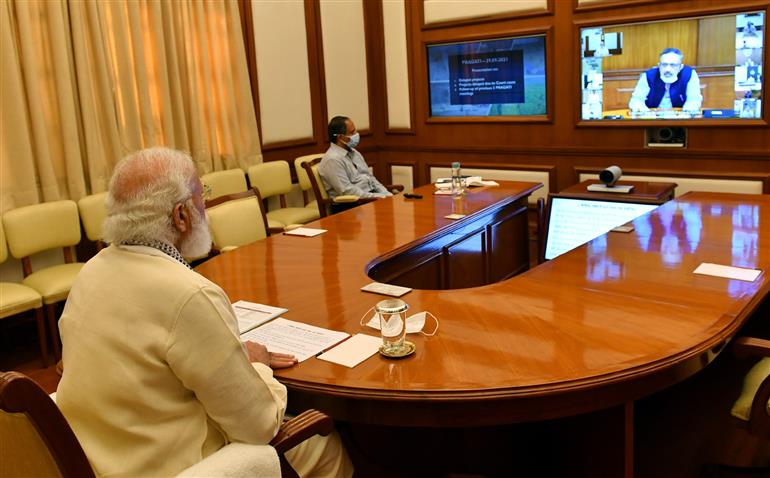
point(677, 91)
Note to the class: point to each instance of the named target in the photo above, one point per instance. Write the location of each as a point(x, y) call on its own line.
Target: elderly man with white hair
point(155, 376)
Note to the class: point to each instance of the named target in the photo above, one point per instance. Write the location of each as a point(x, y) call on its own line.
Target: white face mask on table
point(414, 323)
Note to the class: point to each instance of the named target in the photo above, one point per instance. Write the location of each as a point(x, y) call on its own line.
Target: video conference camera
point(610, 176)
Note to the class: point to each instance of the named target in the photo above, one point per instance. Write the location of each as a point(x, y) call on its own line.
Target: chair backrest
point(236, 219)
point(35, 438)
point(322, 198)
point(302, 177)
point(272, 178)
point(93, 212)
point(37, 228)
point(222, 183)
point(3, 245)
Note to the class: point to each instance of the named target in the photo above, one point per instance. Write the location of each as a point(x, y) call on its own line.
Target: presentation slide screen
point(693, 69)
point(573, 222)
point(500, 77)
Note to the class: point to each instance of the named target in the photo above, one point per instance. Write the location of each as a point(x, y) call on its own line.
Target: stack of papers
point(470, 181)
point(251, 314)
point(304, 231)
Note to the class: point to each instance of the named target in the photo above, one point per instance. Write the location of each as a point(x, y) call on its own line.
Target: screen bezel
point(547, 33)
point(547, 220)
point(614, 21)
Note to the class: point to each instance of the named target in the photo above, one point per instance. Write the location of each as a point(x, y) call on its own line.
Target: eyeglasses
point(669, 65)
point(206, 192)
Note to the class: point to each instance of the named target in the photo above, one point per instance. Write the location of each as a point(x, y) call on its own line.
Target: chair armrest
point(751, 346)
point(298, 429)
point(346, 198)
point(394, 188)
point(271, 231)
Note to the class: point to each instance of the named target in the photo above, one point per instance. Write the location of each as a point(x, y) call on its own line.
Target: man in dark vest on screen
point(671, 84)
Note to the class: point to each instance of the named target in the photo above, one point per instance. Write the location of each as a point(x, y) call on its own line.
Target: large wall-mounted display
point(496, 77)
point(700, 68)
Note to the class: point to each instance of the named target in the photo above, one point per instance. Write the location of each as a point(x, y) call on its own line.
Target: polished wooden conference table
point(601, 326)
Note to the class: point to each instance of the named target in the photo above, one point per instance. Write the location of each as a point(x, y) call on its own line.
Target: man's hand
point(258, 353)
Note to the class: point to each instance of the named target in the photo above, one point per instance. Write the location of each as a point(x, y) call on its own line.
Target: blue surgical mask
point(354, 139)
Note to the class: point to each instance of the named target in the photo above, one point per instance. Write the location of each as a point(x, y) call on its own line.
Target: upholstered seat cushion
point(293, 215)
point(237, 459)
point(54, 283)
point(742, 407)
point(16, 298)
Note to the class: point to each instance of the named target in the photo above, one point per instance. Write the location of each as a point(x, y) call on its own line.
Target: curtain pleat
point(86, 82)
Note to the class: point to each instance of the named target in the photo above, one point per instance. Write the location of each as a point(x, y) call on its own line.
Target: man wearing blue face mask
point(343, 169)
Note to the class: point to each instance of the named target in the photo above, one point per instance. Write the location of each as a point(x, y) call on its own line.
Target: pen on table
point(332, 346)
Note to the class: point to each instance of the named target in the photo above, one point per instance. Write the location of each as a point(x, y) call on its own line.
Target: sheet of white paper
point(443, 192)
point(251, 314)
point(353, 351)
point(454, 216)
point(386, 289)
point(290, 337)
point(305, 231)
point(730, 272)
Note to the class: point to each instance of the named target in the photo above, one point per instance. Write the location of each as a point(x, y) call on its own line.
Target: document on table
point(290, 337)
point(730, 272)
point(386, 289)
point(305, 231)
point(353, 351)
point(251, 314)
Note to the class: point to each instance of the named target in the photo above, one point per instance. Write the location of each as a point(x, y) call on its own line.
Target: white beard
point(669, 80)
point(198, 243)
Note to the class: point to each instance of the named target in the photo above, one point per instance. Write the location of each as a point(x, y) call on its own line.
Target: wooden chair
point(18, 298)
point(236, 220)
point(222, 183)
point(36, 440)
point(304, 180)
point(93, 212)
point(37, 228)
point(274, 179)
point(750, 441)
point(324, 201)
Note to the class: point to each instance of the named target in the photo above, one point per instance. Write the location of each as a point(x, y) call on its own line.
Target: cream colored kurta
point(155, 376)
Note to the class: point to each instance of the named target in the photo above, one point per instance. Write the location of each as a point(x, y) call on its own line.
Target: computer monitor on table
point(573, 222)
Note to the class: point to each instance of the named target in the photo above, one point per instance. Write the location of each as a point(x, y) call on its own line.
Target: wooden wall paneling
point(491, 11)
point(281, 52)
point(580, 173)
point(583, 5)
point(643, 43)
point(344, 45)
point(396, 30)
point(712, 52)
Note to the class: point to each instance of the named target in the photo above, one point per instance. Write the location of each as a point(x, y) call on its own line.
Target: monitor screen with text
point(499, 77)
point(573, 222)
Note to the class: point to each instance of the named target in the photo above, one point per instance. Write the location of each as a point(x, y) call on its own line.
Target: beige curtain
point(86, 82)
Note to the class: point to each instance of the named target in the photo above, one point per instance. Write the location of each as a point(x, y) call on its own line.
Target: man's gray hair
point(144, 188)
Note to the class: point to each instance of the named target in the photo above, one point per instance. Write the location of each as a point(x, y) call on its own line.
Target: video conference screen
point(500, 77)
point(684, 69)
point(573, 222)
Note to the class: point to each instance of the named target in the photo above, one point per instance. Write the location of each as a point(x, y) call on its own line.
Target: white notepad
point(353, 351)
point(305, 231)
point(730, 272)
point(251, 314)
point(386, 289)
